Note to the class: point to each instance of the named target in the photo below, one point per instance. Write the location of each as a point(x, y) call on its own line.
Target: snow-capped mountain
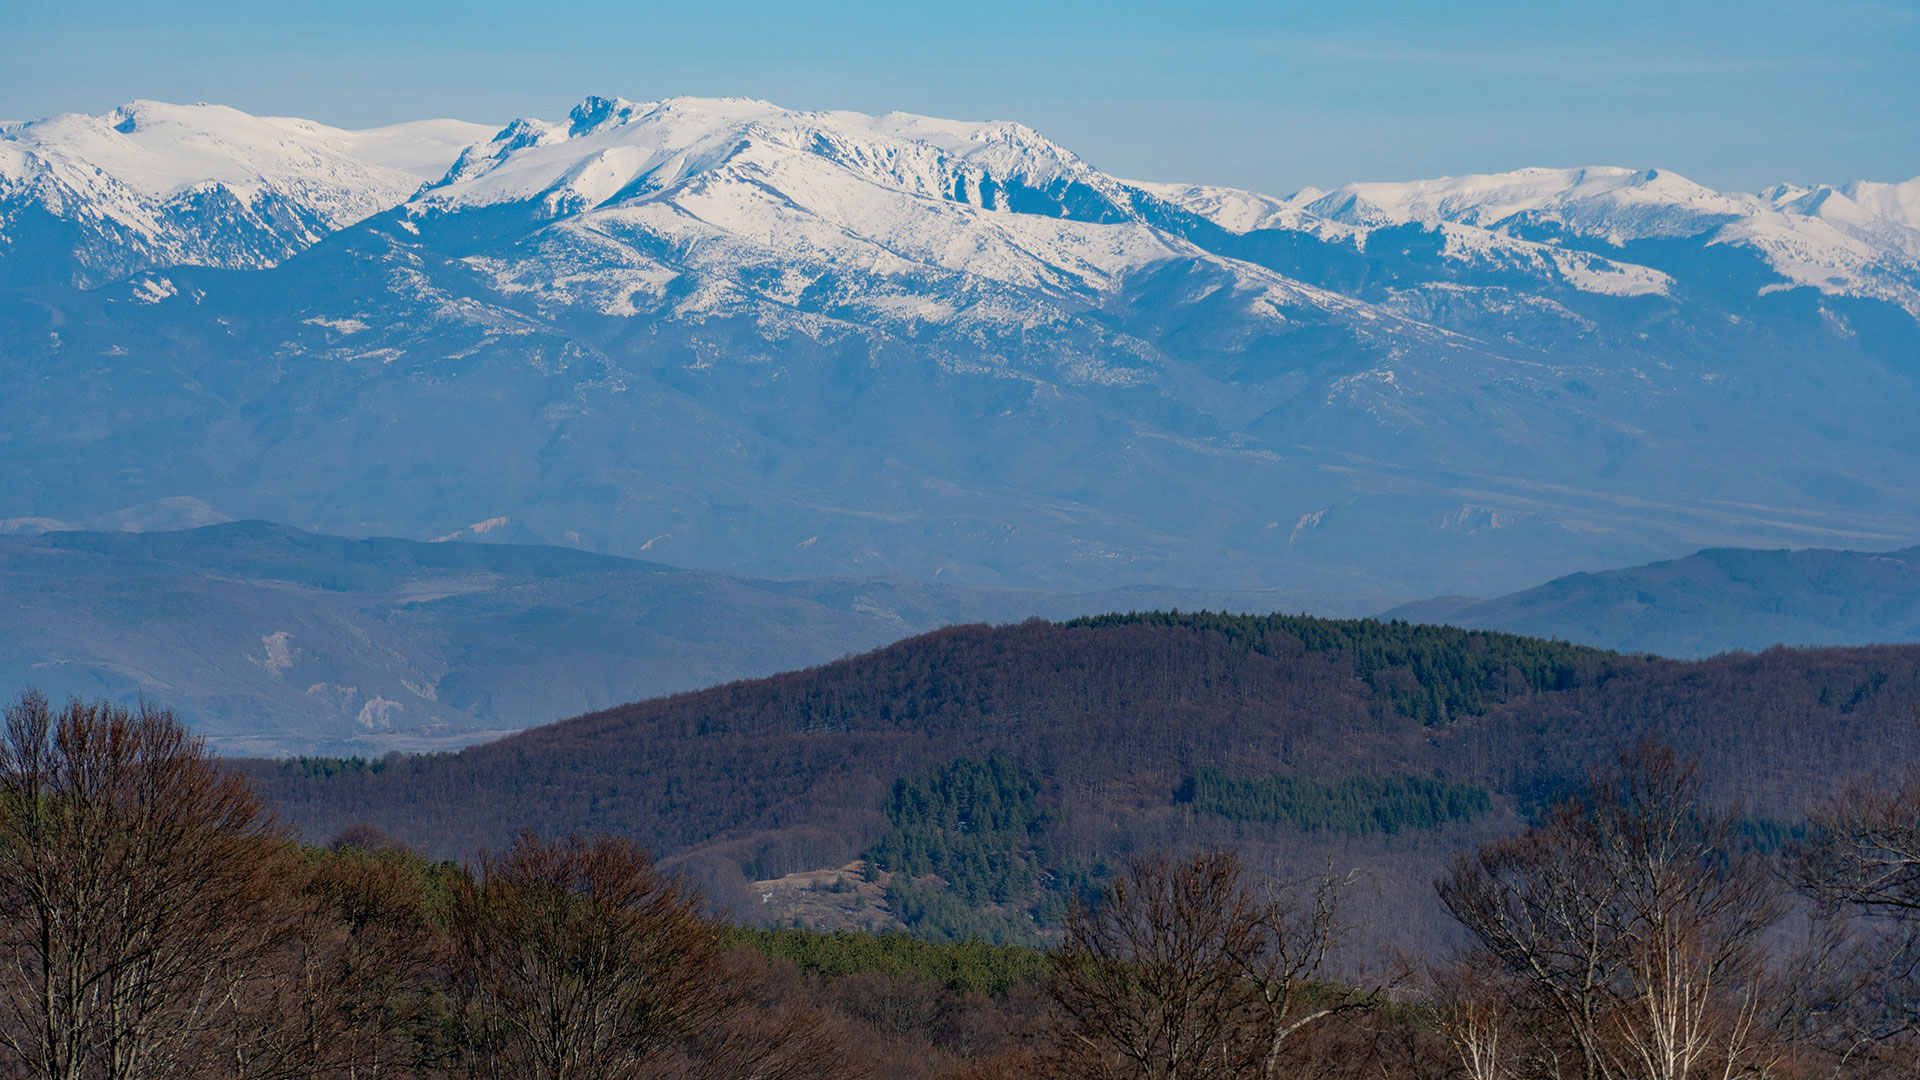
point(152, 185)
point(733, 187)
point(818, 223)
point(744, 337)
point(1817, 237)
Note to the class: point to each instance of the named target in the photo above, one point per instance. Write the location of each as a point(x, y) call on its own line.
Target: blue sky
point(1272, 96)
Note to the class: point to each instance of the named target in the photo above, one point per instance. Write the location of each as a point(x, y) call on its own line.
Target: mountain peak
point(591, 113)
point(611, 151)
point(135, 181)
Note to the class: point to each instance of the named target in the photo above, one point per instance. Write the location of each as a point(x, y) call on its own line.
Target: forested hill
point(1433, 672)
point(1383, 744)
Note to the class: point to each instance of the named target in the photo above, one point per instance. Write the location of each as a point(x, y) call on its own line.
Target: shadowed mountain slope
point(1710, 602)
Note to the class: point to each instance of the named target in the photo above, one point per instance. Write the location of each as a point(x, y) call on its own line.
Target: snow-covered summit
point(1616, 203)
point(736, 205)
point(610, 150)
point(152, 184)
point(638, 193)
point(1893, 202)
point(1862, 239)
point(158, 149)
point(826, 342)
point(733, 206)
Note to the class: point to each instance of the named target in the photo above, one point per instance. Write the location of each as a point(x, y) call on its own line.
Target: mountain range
point(273, 641)
point(1710, 602)
point(741, 338)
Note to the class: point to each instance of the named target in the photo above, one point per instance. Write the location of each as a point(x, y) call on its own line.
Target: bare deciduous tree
point(1632, 921)
point(1865, 850)
point(578, 960)
point(1860, 864)
point(1470, 1000)
point(1296, 927)
point(353, 974)
point(131, 893)
point(1183, 971)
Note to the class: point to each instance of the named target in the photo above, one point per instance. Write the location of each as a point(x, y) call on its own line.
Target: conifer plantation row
point(155, 922)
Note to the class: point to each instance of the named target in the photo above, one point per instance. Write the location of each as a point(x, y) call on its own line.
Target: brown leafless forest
point(156, 922)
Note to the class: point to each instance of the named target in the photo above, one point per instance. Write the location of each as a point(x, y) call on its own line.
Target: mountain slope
point(157, 185)
point(1711, 602)
point(759, 340)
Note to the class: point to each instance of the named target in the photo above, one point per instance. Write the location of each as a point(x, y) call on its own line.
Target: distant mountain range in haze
point(770, 343)
point(1711, 602)
point(274, 641)
point(269, 640)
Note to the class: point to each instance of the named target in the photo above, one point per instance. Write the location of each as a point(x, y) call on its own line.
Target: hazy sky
point(1272, 96)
